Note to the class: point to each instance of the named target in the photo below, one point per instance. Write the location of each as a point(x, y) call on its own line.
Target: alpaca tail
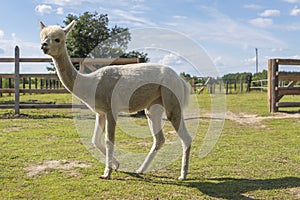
point(186, 97)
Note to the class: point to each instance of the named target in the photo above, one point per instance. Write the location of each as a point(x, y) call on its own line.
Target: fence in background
point(229, 86)
point(276, 90)
point(44, 83)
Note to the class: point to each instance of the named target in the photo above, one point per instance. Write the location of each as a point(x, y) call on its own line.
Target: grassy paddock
point(256, 159)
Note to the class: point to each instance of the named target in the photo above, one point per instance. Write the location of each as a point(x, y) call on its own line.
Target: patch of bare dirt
point(11, 129)
point(67, 166)
point(296, 192)
point(244, 118)
point(251, 119)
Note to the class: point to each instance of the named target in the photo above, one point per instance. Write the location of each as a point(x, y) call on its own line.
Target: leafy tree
point(261, 75)
point(236, 77)
point(136, 54)
point(92, 37)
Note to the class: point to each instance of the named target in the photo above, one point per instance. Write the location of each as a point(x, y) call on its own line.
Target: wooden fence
point(229, 86)
point(276, 90)
point(48, 83)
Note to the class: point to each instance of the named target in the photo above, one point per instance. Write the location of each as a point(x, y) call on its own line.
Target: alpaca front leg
point(109, 141)
point(98, 135)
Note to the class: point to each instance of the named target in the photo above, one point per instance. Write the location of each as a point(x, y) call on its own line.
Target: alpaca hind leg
point(186, 140)
point(154, 115)
point(98, 135)
point(174, 111)
point(109, 141)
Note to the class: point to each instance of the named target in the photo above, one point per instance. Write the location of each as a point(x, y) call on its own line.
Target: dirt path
point(244, 118)
point(67, 166)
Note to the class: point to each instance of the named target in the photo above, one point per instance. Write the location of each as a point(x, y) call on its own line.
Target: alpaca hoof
point(139, 173)
point(107, 173)
point(181, 178)
point(105, 177)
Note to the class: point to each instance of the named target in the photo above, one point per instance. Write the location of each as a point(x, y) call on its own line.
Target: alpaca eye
point(57, 40)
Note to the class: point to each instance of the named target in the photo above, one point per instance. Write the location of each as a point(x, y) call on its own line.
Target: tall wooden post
point(17, 80)
point(273, 85)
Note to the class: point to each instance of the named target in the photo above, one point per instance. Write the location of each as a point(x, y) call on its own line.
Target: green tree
point(92, 37)
point(231, 77)
point(261, 75)
point(136, 54)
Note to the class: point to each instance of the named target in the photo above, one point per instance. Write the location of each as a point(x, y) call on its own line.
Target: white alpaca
point(108, 91)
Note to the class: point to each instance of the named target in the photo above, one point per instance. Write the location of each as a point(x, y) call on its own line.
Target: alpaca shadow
point(227, 188)
point(234, 188)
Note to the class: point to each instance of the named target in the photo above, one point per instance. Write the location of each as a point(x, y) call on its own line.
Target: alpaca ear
point(42, 25)
point(70, 26)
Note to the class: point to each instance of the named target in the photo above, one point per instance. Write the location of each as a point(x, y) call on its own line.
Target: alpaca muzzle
point(45, 48)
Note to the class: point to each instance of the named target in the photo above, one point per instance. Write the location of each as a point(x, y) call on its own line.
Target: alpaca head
point(53, 38)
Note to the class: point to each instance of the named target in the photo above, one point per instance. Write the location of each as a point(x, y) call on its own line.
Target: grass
point(250, 161)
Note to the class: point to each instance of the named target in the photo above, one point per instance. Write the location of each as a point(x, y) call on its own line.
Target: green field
point(256, 157)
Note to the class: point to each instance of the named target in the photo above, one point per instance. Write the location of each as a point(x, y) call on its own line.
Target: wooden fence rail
point(276, 90)
point(231, 86)
point(51, 82)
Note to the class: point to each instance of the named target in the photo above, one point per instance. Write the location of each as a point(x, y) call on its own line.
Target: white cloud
point(261, 22)
point(292, 1)
point(179, 17)
point(27, 49)
point(253, 6)
point(126, 17)
point(66, 2)
point(1, 33)
point(250, 60)
point(270, 13)
point(295, 11)
point(43, 9)
point(219, 61)
point(47, 9)
point(170, 59)
point(60, 11)
point(277, 49)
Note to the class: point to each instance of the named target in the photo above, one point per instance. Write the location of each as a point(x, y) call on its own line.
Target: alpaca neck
point(65, 70)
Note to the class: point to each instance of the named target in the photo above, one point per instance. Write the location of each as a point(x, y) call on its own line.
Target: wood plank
point(17, 80)
point(288, 104)
point(288, 61)
point(289, 76)
point(44, 91)
point(34, 106)
point(273, 84)
point(288, 91)
point(7, 90)
point(35, 59)
point(7, 106)
point(50, 76)
point(7, 75)
point(7, 59)
point(37, 91)
point(120, 61)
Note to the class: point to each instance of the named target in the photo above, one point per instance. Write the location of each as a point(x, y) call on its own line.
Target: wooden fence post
point(226, 87)
point(241, 85)
point(0, 86)
point(17, 80)
point(273, 85)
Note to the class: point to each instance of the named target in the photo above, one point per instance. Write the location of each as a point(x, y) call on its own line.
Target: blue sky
point(228, 30)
